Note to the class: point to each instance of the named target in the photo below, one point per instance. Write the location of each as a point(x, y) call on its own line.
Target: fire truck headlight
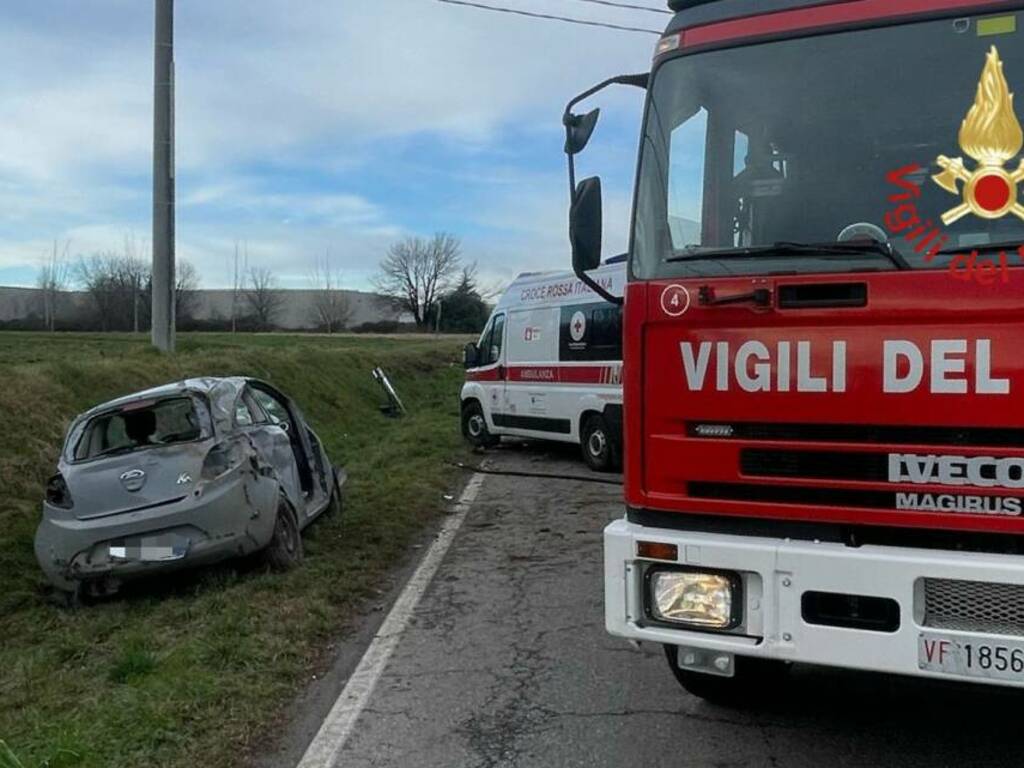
point(694, 598)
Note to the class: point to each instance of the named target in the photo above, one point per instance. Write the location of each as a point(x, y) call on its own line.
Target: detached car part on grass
point(182, 475)
point(395, 407)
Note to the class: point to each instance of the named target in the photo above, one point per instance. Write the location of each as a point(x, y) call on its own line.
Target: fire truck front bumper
point(934, 613)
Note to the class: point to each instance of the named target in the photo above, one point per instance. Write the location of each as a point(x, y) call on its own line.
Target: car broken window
point(243, 415)
point(140, 425)
point(274, 409)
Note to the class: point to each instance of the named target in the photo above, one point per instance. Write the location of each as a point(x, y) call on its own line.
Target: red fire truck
point(823, 342)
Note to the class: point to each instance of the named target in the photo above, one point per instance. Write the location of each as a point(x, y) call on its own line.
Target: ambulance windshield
point(852, 137)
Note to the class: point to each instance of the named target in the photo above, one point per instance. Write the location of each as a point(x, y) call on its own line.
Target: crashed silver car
point(181, 475)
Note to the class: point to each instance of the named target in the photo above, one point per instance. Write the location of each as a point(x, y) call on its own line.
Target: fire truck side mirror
point(585, 225)
point(578, 130)
point(470, 356)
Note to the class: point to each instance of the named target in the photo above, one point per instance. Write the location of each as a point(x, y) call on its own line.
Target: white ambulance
point(548, 365)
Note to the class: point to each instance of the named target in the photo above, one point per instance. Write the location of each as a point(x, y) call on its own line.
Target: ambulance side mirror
point(470, 356)
point(585, 225)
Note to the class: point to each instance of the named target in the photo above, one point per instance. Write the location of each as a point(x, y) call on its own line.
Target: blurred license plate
point(153, 549)
point(971, 656)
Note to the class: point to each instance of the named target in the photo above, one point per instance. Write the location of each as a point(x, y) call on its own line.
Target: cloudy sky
point(310, 126)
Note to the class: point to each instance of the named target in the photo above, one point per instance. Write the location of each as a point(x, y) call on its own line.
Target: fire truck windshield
point(840, 138)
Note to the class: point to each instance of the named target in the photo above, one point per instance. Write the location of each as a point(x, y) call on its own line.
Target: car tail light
point(57, 493)
point(222, 458)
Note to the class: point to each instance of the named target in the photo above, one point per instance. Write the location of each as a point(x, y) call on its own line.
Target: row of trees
point(424, 277)
point(119, 289)
point(257, 300)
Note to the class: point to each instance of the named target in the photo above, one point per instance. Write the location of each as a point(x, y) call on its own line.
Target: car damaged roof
point(208, 386)
point(220, 392)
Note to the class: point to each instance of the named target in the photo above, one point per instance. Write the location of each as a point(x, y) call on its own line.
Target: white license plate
point(971, 656)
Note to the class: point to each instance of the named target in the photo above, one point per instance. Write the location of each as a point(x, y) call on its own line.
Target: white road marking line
point(323, 751)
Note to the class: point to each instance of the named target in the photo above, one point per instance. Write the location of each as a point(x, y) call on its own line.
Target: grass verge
point(195, 670)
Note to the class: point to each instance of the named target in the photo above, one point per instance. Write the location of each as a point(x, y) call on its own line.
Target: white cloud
point(536, 239)
point(293, 88)
point(285, 73)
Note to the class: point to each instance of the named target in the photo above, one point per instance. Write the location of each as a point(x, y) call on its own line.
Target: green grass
point(199, 669)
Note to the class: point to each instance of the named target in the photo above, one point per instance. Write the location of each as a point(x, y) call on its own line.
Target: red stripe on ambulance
point(610, 374)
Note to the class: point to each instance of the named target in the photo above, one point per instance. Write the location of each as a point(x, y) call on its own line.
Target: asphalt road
point(506, 663)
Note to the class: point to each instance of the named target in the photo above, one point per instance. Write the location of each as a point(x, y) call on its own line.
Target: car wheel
point(599, 448)
point(754, 680)
point(474, 426)
point(285, 548)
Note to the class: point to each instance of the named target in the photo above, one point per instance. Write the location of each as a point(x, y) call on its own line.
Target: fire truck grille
point(974, 606)
point(815, 464)
point(787, 494)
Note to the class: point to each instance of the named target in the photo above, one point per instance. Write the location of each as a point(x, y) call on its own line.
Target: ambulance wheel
point(474, 426)
point(755, 680)
point(599, 448)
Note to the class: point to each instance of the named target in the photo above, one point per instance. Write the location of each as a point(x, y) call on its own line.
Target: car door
point(320, 484)
point(272, 440)
point(287, 416)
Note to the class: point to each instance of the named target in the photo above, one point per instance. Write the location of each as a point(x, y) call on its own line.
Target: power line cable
point(550, 17)
point(628, 6)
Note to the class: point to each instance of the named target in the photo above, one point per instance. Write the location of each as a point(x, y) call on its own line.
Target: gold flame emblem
point(991, 134)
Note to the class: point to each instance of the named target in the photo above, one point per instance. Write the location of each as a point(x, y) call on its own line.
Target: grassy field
point(197, 669)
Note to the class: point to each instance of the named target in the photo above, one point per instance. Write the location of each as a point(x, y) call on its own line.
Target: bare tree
point(53, 280)
point(135, 276)
point(263, 297)
point(97, 274)
point(241, 269)
point(331, 307)
point(416, 272)
point(186, 290)
point(119, 287)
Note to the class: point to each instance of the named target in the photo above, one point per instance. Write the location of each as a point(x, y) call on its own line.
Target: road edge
point(337, 726)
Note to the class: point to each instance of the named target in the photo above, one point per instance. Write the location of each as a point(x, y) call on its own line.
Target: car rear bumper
point(777, 574)
point(232, 517)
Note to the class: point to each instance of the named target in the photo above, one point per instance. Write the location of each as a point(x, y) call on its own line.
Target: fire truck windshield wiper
point(800, 250)
point(1006, 245)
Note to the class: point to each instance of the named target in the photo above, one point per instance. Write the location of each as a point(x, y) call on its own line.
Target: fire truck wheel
point(599, 449)
point(754, 681)
point(474, 426)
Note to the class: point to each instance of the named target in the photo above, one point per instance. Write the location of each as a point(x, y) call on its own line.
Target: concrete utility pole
point(163, 178)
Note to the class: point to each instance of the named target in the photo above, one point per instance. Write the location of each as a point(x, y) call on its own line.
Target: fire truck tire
point(754, 681)
point(600, 451)
point(474, 426)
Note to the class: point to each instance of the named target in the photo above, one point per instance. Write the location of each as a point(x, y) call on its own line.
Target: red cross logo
point(578, 326)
